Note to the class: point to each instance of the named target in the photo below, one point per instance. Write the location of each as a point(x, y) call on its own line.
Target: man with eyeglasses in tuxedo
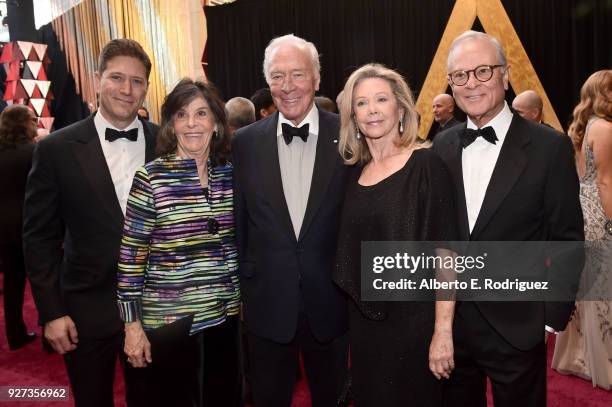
point(515, 181)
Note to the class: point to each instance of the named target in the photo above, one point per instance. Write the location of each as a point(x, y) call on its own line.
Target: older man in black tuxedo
point(515, 181)
point(289, 188)
point(76, 196)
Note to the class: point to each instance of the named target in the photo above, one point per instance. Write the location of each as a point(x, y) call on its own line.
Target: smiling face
point(376, 110)
point(122, 87)
point(194, 125)
point(481, 101)
point(292, 82)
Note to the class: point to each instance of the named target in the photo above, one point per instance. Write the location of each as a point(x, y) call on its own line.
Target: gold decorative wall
point(496, 22)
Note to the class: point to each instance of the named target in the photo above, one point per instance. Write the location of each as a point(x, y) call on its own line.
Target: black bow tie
point(469, 135)
point(289, 132)
point(112, 135)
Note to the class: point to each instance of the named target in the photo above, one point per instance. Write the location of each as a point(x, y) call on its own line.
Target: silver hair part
point(475, 35)
point(294, 41)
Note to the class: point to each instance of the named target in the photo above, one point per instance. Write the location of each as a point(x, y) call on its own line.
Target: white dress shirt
point(296, 162)
point(123, 157)
point(478, 161)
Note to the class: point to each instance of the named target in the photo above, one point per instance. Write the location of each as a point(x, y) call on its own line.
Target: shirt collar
point(500, 123)
point(312, 119)
point(102, 124)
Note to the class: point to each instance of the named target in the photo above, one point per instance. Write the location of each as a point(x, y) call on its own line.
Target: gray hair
point(300, 43)
point(240, 112)
point(475, 35)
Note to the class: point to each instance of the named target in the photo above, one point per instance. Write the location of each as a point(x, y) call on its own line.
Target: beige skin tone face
point(292, 82)
point(376, 110)
point(194, 125)
point(481, 101)
point(525, 105)
point(442, 108)
point(122, 88)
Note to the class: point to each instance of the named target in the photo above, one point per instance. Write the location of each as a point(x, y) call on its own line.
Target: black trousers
point(518, 378)
point(273, 367)
point(91, 370)
point(201, 370)
point(14, 286)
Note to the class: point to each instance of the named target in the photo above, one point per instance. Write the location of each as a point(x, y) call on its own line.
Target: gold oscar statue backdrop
point(495, 22)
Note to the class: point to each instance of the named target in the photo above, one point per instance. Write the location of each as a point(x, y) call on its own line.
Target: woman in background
point(399, 191)
point(177, 284)
point(17, 134)
point(584, 349)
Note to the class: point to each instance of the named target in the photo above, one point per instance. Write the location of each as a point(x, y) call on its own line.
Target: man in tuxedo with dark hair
point(76, 196)
point(289, 188)
point(263, 102)
point(515, 181)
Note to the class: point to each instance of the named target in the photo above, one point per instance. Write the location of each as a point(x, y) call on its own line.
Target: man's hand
point(137, 346)
point(62, 335)
point(441, 362)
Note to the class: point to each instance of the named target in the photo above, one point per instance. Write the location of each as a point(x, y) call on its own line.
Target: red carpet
point(31, 366)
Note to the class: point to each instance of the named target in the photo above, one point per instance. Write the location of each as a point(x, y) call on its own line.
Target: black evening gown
point(390, 340)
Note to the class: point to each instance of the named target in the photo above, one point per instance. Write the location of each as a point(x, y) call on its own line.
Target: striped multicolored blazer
point(178, 253)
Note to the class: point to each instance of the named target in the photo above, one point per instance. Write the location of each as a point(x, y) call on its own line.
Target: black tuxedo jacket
point(15, 164)
point(71, 201)
point(436, 128)
point(279, 273)
point(532, 196)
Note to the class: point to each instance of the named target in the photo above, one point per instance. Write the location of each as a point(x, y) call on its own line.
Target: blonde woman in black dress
point(399, 191)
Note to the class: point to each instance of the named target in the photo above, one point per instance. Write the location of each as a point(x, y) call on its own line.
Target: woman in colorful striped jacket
point(178, 289)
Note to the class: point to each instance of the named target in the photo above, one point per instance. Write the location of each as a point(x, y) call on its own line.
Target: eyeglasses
point(483, 73)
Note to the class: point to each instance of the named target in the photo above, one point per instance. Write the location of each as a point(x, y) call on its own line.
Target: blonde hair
point(354, 150)
point(594, 100)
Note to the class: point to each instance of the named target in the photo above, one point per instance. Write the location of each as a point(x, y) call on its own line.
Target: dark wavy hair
point(184, 93)
point(15, 127)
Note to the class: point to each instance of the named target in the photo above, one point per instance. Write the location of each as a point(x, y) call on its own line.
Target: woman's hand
point(441, 362)
point(137, 346)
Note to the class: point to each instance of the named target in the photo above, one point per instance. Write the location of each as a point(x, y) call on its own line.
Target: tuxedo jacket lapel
point(451, 154)
point(89, 155)
point(508, 168)
point(150, 139)
point(271, 176)
point(326, 159)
